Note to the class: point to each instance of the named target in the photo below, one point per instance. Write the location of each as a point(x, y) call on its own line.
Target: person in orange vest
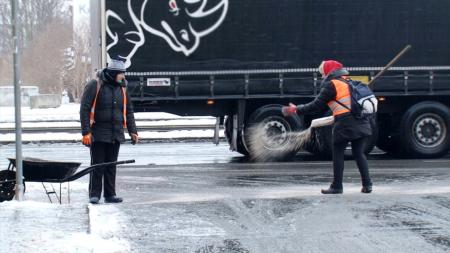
point(335, 94)
point(105, 111)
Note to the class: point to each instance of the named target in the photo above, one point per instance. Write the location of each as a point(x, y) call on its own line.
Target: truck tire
point(387, 134)
point(240, 147)
point(275, 124)
point(389, 144)
point(425, 130)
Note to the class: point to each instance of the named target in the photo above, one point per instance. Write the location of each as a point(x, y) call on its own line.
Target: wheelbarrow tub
point(38, 170)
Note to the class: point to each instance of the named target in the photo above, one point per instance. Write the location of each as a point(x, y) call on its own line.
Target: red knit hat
point(329, 66)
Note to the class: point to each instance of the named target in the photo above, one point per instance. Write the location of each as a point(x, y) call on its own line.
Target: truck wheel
point(276, 140)
point(387, 141)
point(229, 135)
point(425, 130)
point(388, 144)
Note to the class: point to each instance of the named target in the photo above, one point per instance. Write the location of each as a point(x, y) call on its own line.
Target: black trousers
point(358, 146)
point(102, 152)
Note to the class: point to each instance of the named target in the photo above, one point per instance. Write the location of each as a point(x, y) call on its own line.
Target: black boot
point(366, 189)
point(332, 190)
point(113, 199)
point(94, 200)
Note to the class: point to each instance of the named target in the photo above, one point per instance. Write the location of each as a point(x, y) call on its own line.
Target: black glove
point(300, 108)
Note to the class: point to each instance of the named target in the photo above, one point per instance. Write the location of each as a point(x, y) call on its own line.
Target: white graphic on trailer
point(177, 22)
point(132, 44)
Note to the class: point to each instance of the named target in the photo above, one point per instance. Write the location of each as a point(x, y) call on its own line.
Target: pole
point(96, 37)
point(17, 104)
point(392, 62)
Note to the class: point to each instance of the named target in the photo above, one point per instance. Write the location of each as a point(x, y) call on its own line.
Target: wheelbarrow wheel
point(7, 185)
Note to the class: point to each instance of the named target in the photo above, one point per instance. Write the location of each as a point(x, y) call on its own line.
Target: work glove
point(300, 108)
point(289, 110)
point(134, 138)
point(87, 140)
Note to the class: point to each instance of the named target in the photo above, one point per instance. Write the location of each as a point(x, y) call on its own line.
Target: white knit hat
point(116, 65)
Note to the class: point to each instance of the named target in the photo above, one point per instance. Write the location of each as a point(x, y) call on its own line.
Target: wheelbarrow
point(45, 171)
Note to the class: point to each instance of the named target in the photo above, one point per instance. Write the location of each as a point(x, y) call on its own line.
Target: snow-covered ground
point(67, 112)
point(38, 226)
point(47, 227)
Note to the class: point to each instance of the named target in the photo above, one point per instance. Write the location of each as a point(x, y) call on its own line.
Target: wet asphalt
point(239, 206)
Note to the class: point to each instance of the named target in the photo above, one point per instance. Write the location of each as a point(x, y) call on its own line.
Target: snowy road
point(196, 197)
point(237, 207)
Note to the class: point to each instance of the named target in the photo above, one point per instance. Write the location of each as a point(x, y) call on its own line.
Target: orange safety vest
point(343, 96)
point(92, 112)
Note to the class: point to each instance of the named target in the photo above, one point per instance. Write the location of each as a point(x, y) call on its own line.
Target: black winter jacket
point(108, 124)
point(346, 127)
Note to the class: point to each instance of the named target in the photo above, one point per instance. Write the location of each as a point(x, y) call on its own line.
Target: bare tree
point(79, 73)
point(6, 70)
point(43, 60)
point(35, 18)
point(35, 15)
point(6, 67)
point(5, 27)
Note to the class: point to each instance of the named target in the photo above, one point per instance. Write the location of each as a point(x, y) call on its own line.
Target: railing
point(161, 125)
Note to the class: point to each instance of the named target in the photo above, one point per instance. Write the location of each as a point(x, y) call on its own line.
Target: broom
point(260, 143)
point(259, 139)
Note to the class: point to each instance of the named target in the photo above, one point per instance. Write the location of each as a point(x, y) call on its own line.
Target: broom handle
point(392, 62)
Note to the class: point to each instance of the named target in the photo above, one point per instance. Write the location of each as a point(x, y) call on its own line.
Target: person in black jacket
point(336, 94)
point(105, 111)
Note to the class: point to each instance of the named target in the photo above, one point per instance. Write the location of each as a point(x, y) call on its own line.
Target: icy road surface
point(196, 197)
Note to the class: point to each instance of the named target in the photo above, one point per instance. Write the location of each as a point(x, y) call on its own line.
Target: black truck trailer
point(241, 60)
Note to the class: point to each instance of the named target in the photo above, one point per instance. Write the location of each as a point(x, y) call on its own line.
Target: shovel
point(320, 122)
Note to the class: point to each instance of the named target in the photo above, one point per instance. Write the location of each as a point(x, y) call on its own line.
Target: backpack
point(364, 104)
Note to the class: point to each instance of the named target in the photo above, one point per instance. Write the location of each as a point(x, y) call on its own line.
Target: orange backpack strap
point(124, 111)
point(124, 101)
point(92, 112)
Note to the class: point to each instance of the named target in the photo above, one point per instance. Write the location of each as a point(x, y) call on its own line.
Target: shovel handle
point(392, 62)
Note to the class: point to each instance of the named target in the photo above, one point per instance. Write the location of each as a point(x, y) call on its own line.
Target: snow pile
point(45, 227)
point(71, 112)
point(106, 226)
point(67, 115)
point(64, 112)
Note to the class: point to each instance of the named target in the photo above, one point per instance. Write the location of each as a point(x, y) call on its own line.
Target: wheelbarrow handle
point(126, 161)
point(112, 163)
point(89, 170)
